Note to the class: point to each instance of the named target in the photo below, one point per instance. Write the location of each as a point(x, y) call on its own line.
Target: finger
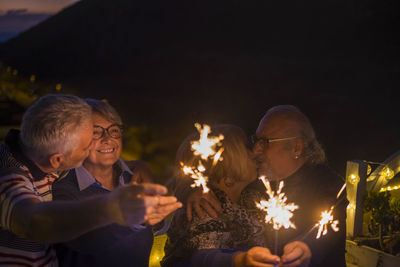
point(208, 209)
point(189, 211)
point(292, 255)
point(198, 210)
point(153, 189)
point(150, 203)
point(260, 264)
point(295, 263)
point(214, 202)
point(166, 200)
point(160, 213)
point(167, 209)
point(264, 255)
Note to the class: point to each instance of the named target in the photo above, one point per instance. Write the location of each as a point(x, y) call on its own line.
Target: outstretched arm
point(58, 221)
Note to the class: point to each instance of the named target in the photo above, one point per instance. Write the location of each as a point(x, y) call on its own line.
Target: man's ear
point(56, 160)
point(299, 147)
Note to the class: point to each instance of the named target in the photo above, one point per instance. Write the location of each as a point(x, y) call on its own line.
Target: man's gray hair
point(51, 125)
point(313, 151)
point(105, 110)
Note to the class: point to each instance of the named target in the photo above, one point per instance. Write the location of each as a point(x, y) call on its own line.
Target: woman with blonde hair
point(238, 226)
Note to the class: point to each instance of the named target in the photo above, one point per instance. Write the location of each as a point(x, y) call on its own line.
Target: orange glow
point(326, 218)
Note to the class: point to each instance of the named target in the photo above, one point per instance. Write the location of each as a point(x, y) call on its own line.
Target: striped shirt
point(21, 179)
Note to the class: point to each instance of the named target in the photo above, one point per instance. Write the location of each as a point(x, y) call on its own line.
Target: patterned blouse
point(239, 226)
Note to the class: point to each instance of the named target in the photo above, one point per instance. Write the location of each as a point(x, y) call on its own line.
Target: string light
point(389, 188)
point(387, 173)
point(354, 179)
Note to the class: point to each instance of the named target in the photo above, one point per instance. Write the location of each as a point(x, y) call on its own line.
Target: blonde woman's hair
point(235, 154)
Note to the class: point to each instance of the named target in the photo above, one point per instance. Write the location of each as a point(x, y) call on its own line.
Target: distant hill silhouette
point(169, 63)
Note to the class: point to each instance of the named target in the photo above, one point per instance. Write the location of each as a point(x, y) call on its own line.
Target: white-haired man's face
point(276, 158)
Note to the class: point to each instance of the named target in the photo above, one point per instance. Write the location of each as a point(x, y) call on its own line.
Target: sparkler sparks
point(278, 212)
point(205, 147)
point(326, 218)
point(198, 175)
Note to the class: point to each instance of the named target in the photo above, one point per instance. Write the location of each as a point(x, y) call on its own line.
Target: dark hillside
point(168, 64)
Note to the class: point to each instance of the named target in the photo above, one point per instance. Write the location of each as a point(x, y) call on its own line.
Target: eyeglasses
point(265, 141)
point(114, 130)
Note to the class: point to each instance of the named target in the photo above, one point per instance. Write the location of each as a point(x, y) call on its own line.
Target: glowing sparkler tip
point(278, 212)
point(326, 219)
point(205, 147)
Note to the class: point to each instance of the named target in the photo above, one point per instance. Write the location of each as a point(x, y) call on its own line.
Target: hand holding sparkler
point(296, 253)
point(256, 256)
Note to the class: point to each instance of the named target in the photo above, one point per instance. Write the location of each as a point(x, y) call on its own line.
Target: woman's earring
point(296, 157)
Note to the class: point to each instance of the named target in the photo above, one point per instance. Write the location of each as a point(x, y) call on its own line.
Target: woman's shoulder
point(65, 186)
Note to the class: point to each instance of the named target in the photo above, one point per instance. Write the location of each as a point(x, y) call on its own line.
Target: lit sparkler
point(197, 173)
point(326, 219)
point(205, 147)
point(278, 212)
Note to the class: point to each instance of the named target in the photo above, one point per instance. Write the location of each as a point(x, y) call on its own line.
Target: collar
point(86, 179)
point(12, 140)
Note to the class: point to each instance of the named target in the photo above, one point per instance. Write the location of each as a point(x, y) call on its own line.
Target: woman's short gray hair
point(313, 151)
point(50, 125)
point(104, 109)
point(235, 154)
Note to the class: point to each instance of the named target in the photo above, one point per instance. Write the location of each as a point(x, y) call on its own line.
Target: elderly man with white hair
point(55, 136)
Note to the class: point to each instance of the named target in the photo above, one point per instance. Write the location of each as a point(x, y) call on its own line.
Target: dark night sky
point(19, 15)
point(221, 61)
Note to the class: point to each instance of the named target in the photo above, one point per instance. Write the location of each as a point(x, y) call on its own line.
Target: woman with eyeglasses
point(101, 172)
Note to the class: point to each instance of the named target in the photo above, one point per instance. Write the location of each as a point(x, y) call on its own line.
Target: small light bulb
point(387, 173)
point(354, 179)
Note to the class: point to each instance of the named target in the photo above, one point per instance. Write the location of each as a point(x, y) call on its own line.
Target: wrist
point(112, 208)
point(239, 259)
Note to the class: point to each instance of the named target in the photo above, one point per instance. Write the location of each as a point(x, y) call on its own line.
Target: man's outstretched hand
point(202, 204)
point(135, 204)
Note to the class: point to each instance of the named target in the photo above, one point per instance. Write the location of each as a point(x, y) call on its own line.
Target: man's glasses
point(114, 130)
point(265, 141)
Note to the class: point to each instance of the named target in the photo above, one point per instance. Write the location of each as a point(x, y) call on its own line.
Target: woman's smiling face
point(106, 150)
